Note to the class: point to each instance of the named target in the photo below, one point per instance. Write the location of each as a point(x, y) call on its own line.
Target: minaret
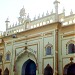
point(7, 23)
point(56, 10)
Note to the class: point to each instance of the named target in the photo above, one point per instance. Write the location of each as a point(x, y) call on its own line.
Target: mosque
point(43, 46)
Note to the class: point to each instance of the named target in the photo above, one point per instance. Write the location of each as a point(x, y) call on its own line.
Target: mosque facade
point(43, 46)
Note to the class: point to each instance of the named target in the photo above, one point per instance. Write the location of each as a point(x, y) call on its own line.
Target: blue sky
point(11, 8)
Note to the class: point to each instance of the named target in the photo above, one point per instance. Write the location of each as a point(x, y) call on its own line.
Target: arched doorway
point(29, 68)
point(0, 71)
point(69, 69)
point(6, 72)
point(48, 70)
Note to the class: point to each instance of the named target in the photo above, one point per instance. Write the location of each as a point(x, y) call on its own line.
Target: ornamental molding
point(25, 52)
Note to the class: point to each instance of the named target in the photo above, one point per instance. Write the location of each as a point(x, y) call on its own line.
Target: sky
point(11, 8)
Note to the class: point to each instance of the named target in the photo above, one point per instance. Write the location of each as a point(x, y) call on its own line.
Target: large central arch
point(29, 68)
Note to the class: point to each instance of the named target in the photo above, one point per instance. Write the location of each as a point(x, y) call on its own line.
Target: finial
point(7, 23)
point(52, 11)
point(16, 23)
point(63, 10)
point(43, 14)
point(47, 13)
point(71, 13)
point(71, 59)
point(13, 24)
point(35, 17)
point(39, 16)
point(28, 15)
point(7, 19)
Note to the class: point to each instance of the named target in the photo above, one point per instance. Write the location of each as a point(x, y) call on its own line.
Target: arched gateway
point(29, 68)
point(6, 72)
point(69, 69)
point(48, 70)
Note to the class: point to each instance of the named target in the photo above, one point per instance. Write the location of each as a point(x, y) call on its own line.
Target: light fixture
point(26, 46)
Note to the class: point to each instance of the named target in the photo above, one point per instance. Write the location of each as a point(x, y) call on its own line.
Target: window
point(8, 57)
point(48, 50)
point(0, 58)
point(71, 48)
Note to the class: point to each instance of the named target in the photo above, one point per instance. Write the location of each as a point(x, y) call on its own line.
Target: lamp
point(26, 46)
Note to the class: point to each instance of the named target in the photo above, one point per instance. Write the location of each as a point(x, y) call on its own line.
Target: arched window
point(71, 48)
point(8, 57)
point(48, 49)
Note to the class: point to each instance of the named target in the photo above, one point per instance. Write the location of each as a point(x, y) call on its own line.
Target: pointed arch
point(29, 68)
point(25, 56)
point(6, 71)
point(28, 53)
point(65, 69)
point(8, 52)
point(69, 69)
point(48, 70)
